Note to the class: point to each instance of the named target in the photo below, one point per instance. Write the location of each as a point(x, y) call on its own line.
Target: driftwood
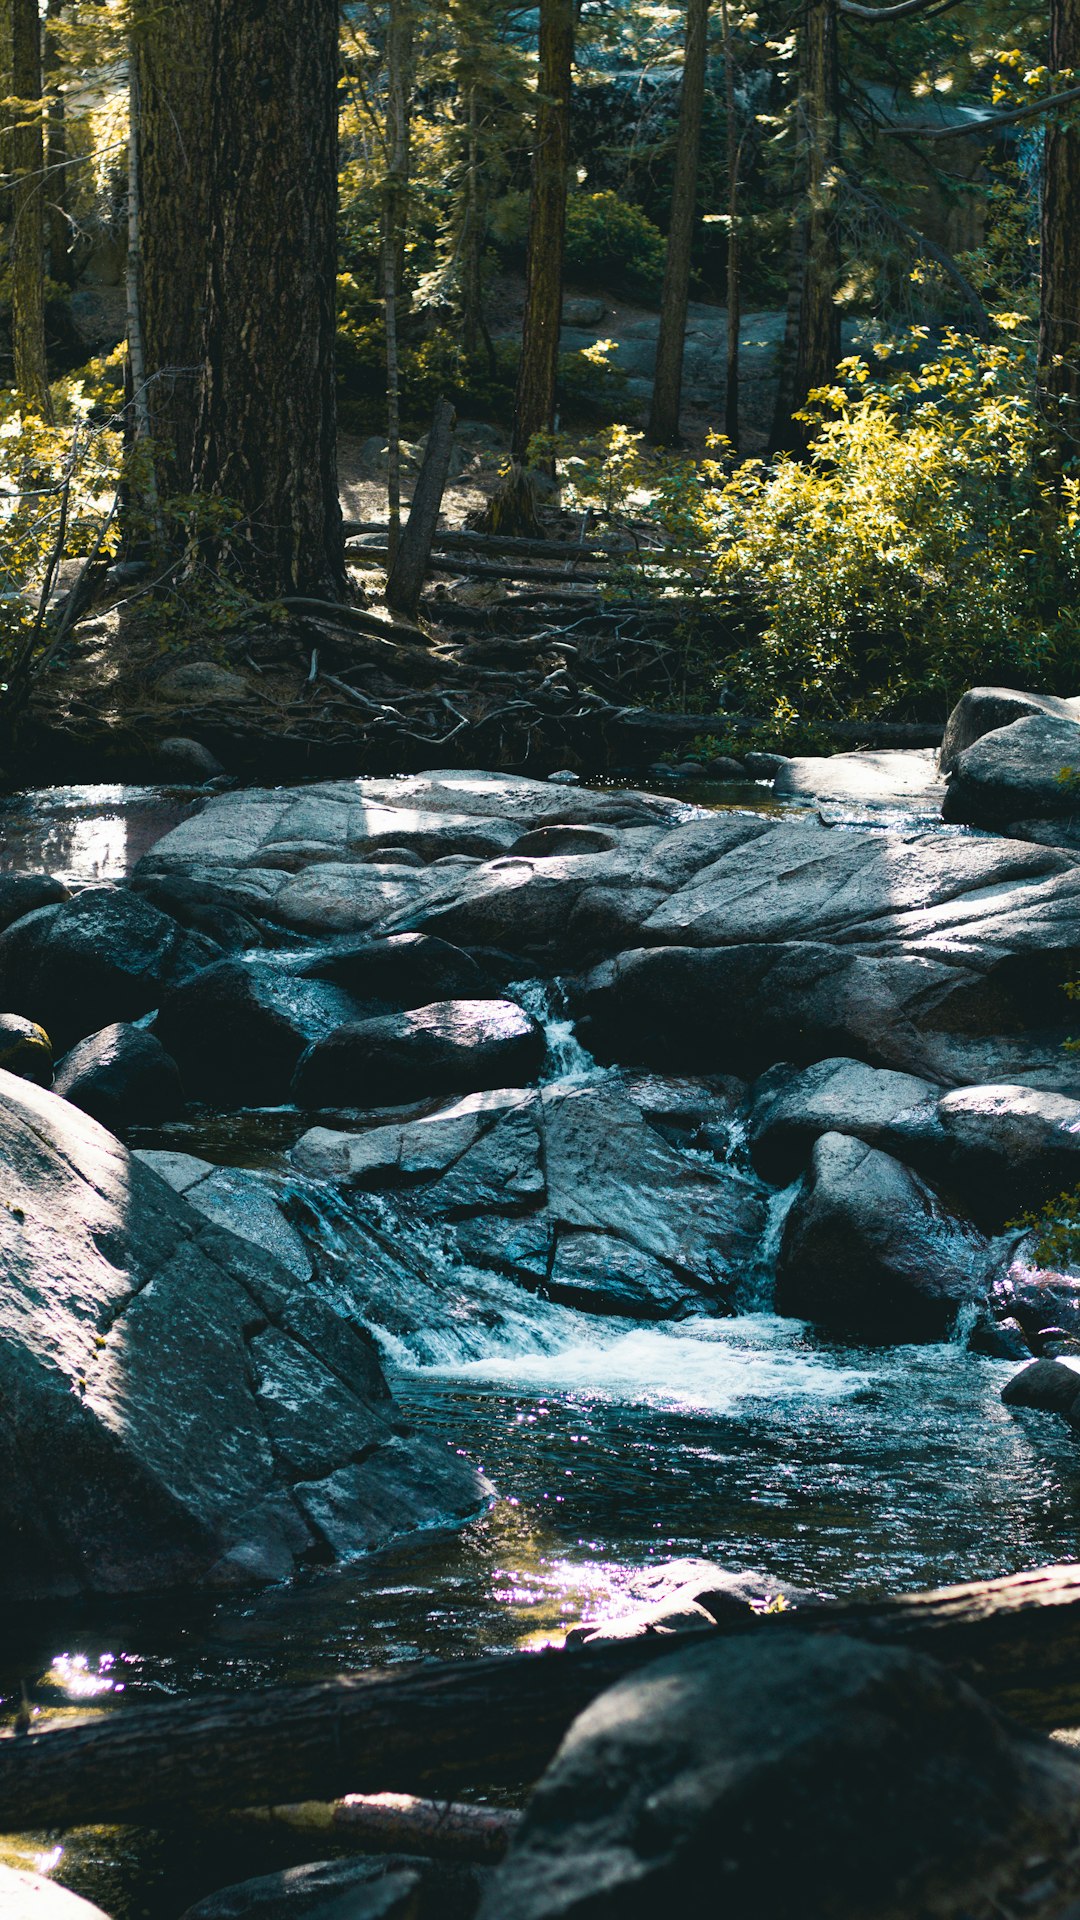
point(436, 1728)
point(405, 584)
point(436, 1829)
point(461, 542)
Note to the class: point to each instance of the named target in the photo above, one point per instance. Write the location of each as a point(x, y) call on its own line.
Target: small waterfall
point(758, 1290)
point(567, 1059)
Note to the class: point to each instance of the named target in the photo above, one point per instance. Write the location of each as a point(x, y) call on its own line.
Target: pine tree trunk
point(667, 384)
point(172, 83)
point(819, 316)
point(58, 226)
point(399, 79)
point(265, 438)
point(734, 262)
point(1059, 313)
point(534, 402)
point(28, 212)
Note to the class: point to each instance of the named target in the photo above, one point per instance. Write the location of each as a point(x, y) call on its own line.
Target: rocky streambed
point(461, 1196)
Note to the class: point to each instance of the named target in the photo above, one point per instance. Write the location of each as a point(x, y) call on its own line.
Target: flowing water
point(615, 1447)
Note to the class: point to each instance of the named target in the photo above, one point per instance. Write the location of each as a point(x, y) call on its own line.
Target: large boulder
point(999, 1148)
point(773, 1775)
point(22, 893)
point(123, 1077)
point(987, 709)
point(180, 1409)
point(1051, 1386)
point(793, 1107)
point(238, 1028)
point(452, 1046)
point(1024, 772)
point(869, 1251)
point(891, 779)
point(104, 956)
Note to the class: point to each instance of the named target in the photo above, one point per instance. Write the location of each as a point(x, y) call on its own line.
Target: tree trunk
point(1059, 307)
point(734, 282)
point(817, 247)
point(58, 225)
point(172, 80)
point(667, 384)
point(399, 82)
point(534, 401)
point(28, 212)
point(409, 560)
point(265, 438)
point(433, 1728)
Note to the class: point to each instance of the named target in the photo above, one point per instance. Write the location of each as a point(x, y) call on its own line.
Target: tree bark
point(817, 249)
point(534, 401)
point(172, 82)
point(667, 383)
point(734, 281)
point(431, 1728)
point(399, 83)
point(1059, 304)
point(409, 561)
point(28, 212)
point(265, 436)
point(58, 225)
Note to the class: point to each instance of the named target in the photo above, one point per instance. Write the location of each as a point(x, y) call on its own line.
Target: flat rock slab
point(889, 778)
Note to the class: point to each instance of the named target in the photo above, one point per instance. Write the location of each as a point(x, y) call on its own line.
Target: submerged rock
point(870, 1252)
point(452, 1046)
point(181, 1410)
point(123, 1077)
point(770, 1776)
point(104, 956)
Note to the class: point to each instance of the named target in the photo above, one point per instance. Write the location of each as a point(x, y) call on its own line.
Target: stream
point(615, 1447)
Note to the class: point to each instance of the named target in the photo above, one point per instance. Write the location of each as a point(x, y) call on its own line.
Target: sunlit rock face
point(178, 1407)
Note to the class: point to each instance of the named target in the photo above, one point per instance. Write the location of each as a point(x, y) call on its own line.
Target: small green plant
point(609, 244)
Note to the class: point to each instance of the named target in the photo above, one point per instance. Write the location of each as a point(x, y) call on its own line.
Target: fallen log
point(436, 1728)
point(406, 580)
point(503, 543)
point(398, 1823)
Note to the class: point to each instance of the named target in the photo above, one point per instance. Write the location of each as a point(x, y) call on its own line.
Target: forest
point(783, 303)
point(539, 951)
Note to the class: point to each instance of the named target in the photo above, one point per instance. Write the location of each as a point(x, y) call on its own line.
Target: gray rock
point(246, 1203)
point(408, 1152)
point(824, 1778)
point(123, 1077)
point(29, 1896)
point(1001, 1148)
point(764, 766)
point(986, 709)
point(25, 1049)
point(238, 1028)
point(182, 759)
point(452, 1046)
point(870, 1252)
point(140, 1396)
point(689, 1596)
point(104, 956)
point(583, 312)
point(200, 680)
point(889, 778)
point(792, 1107)
point(603, 1273)
point(24, 892)
point(1026, 771)
point(1053, 1386)
point(1043, 1302)
point(407, 970)
point(386, 1889)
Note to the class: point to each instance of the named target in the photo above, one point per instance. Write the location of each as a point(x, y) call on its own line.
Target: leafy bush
point(914, 552)
point(609, 242)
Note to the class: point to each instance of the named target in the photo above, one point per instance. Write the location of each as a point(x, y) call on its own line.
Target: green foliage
point(609, 243)
point(913, 553)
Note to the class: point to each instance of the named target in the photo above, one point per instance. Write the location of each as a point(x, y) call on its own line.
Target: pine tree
point(534, 402)
point(1059, 306)
point(667, 385)
point(27, 146)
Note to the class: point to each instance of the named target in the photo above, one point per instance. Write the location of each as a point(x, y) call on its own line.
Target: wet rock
point(179, 758)
point(1053, 1386)
point(764, 766)
point(142, 1396)
point(1026, 771)
point(1043, 1301)
point(792, 1107)
point(25, 1049)
point(408, 1152)
point(238, 1028)
point(823, 1778)
point(393, 1887)
point(406, 970)
point(602, 1273)
point(248, 1204)
point(452, 1046)
point(869, 1251)
point(987, 709)
point(123, 1077)
point(227, 925)
point(702, 1112)
point(690, 1596)
point(105, 956)
point(609, 1173)
point(1001, 1148)
point(28, 1896)
point(22, 893)
point(889, 778)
